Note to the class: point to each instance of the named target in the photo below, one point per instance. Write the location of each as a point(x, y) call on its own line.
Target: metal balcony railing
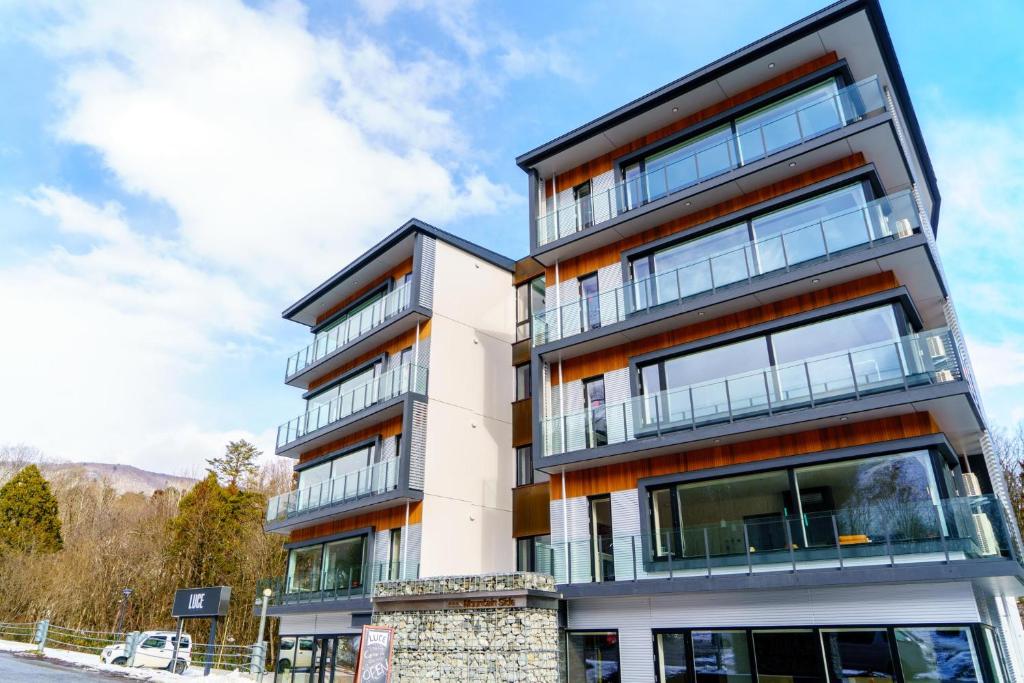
point(877, 532)
point(318, 585)
point(391, 384)
point(886, 219)
point(351, 328)
point(831, 112)
point(374, 479)
point(917, 359)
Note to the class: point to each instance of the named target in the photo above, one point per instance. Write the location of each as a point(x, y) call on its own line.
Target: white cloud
point(282, 155)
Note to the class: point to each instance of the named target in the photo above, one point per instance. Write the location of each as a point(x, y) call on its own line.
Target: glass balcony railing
point(380, 477)
point(403, 379)
point(816, 118)
point(341, 584)
point(351, 328)
point(889, 218)
point(880, 531)
point(917, 359)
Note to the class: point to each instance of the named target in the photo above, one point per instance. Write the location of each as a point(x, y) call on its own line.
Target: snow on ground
point(92, 661)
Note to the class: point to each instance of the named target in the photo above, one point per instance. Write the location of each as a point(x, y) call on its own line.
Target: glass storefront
point(879, 654)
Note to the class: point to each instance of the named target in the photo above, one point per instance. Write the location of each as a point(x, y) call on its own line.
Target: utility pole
point(125, 594)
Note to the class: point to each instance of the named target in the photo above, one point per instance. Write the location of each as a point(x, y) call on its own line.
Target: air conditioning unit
point(986, 535)
point(936, 347)
point(904, 228)
point(944, 376)
point(971, 484)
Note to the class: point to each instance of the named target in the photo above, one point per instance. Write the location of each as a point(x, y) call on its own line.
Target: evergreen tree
point(29, 519)
point(238, 464)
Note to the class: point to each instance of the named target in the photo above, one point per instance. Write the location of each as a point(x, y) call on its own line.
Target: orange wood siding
point(522, 422)
point(603, 163)
point(378, 520)
point(384, 429)
point(625, 476)
point(531, 513)
point(402, 341)
point(395, 273)
point(612, 253)
point(600, 362)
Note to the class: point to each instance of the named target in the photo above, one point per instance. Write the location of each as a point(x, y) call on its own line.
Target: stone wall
point(493, 627)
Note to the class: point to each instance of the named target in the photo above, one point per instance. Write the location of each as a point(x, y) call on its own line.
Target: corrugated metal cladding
point(891, 604)
point(320, 622)
point(417, 445)
point(427, 246)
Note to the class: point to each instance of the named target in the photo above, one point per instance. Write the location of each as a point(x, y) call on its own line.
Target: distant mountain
point(122, 478)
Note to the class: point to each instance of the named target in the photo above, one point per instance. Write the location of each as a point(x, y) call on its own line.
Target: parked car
point(154, 652)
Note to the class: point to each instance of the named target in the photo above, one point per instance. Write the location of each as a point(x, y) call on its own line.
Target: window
point(395, 554)
point(789, 121)
point(827, 359)
point(533, 553)
point(938, 654)
point(721, 657)
point(530, 301)
point(343, 563)
point(590, 302)
point(592, 656)
point(597, 419)
point(523, 382)
point(602, 543)
point(855, 654)
point(584, 206)
point(865, 500)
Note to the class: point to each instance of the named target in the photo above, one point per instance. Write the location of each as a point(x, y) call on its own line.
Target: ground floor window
point(309, 659)
point(592, 656)
point(880, 654)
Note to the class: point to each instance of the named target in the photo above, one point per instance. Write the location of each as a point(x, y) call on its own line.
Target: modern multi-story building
point(403, 458)
point(755, 450)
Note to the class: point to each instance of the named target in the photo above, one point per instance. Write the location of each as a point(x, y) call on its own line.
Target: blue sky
point(172, 175)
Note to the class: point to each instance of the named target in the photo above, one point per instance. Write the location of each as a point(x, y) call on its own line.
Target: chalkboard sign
point(375, 654)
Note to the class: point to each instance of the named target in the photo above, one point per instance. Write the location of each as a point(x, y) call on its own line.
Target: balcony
point(883, 534)
point(366, 482)
point(315, 588)
point(342, 410)
point(847, 106)
point(927, 358)
point(875, 223)
point(347, 334)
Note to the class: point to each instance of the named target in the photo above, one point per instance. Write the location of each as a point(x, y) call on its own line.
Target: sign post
point(375, 648)
point(193, 603)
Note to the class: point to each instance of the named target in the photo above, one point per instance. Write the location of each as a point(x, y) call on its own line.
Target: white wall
point(469, 468)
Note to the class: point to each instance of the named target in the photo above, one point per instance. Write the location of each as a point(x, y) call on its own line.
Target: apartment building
point(749, 442)
point(403, 465)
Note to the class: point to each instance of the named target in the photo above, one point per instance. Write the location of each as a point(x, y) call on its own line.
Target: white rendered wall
point(469, 469)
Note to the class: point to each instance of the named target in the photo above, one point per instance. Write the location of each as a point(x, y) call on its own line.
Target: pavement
point(15, 668)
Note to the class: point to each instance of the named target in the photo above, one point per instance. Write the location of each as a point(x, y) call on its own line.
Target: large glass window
point(791, 655)
point(853, 655)
point(876, 500)
point(304, 569)
point(721, 657)
point(530, 301)
point(343, 562)
point(938, 655)
point(707, 155)
point(789, 121)
point(592, 657)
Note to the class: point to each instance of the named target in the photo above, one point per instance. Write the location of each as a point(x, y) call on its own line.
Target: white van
point(154, 652)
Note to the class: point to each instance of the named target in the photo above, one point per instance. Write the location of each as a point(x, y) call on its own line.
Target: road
point(16, 669)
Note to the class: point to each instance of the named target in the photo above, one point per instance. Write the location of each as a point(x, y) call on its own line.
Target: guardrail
point(351, 328)
point(875, 533)
point(810, 121)
point(910, 361)
point(886, 219)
